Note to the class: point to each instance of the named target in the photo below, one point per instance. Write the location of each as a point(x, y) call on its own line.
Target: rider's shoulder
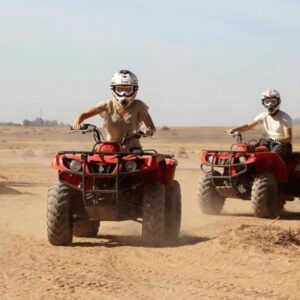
point(104, 102)
point(261, 116)
point(140, 104)
point(105, 105)
point(285, 117)
point(284, 114)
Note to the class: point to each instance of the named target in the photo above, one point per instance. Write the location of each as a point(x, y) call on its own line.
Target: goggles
point(124, 89)
point(272, 101)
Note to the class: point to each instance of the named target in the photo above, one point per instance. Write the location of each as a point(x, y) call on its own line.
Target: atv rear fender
point(272, 163)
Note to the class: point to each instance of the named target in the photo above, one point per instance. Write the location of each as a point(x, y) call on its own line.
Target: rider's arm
point(145, 117)
point(243, 127)
point(90, 112)
point(149, 124)
point(288, 136)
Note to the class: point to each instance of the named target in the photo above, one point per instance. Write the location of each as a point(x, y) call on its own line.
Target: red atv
point(248, 171)
point(111, 183)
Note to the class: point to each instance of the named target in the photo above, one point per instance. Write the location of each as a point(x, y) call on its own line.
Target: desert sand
point(230, 256)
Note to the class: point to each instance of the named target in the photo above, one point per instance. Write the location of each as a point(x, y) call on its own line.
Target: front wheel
point(153, 228)
point(209, 200)
point(59, 218)
point(173, 211)
point(264, 196)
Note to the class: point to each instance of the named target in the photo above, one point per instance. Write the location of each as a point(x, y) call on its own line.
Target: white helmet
point(124, 85)
point(271, 100)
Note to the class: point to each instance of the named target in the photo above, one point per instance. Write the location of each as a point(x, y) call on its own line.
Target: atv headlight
point(130, 166)
point(101, 169)
point(210, 158)
point(75, 165)
point(242, 159)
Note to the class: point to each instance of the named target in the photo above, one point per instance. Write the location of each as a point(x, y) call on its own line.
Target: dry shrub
point(288, 237)
point(48, 154)
point(165, 128)
point(182, 153)
point(28, 153)
point(15, 147)
point(266, 238)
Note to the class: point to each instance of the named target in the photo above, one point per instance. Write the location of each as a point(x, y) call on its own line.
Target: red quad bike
point(111, 183)
point(248, 171)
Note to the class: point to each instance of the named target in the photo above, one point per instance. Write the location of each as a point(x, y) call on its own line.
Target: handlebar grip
point(84, 126)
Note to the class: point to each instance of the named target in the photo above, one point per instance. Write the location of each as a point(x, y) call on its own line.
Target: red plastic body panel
point(166, 171)
point(265, 161)
point(261, 149)
point(154, 167)
point(241, 147)
point(272, 163)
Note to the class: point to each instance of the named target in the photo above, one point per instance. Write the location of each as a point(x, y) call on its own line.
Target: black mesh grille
point(103, 168)
point(224, 161)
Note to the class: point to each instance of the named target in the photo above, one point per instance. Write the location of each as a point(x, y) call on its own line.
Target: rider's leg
point(284, 150)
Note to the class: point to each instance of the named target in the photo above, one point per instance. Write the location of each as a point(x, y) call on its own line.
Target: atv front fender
point(165, 171)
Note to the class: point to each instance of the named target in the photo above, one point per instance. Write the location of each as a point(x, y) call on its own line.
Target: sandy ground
point(231, 256)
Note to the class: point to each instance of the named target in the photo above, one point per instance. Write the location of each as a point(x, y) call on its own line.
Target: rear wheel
point(209, 200)
point(86, 228)
point(59, 219)
point(153, 228)
point(173, 211)
point(264, 196)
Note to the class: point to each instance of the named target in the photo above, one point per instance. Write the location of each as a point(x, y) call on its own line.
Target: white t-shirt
point(274, 125)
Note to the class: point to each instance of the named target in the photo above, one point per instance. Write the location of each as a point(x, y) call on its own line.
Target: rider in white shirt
point(278, 124)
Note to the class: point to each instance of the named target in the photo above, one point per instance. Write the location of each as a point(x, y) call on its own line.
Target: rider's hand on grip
point(231, 131)
point(138, 133)
point(75, 126)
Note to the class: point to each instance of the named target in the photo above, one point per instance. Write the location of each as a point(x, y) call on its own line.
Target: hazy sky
point(198, 62)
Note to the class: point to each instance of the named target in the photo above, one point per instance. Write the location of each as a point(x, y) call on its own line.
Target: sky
point(199, 62)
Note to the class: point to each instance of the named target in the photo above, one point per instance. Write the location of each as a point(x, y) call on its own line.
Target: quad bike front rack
point(228, 162)
point(84, 175)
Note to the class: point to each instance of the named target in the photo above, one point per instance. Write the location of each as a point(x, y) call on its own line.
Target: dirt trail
point(216, 257)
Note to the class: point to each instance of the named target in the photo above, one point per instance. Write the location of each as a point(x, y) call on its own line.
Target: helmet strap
point(275, 112)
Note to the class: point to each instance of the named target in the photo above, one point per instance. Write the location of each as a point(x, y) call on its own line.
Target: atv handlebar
point(235, 134)
point(135, 134)
point(87, 128)
point(253, 143)
point(84, 128)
